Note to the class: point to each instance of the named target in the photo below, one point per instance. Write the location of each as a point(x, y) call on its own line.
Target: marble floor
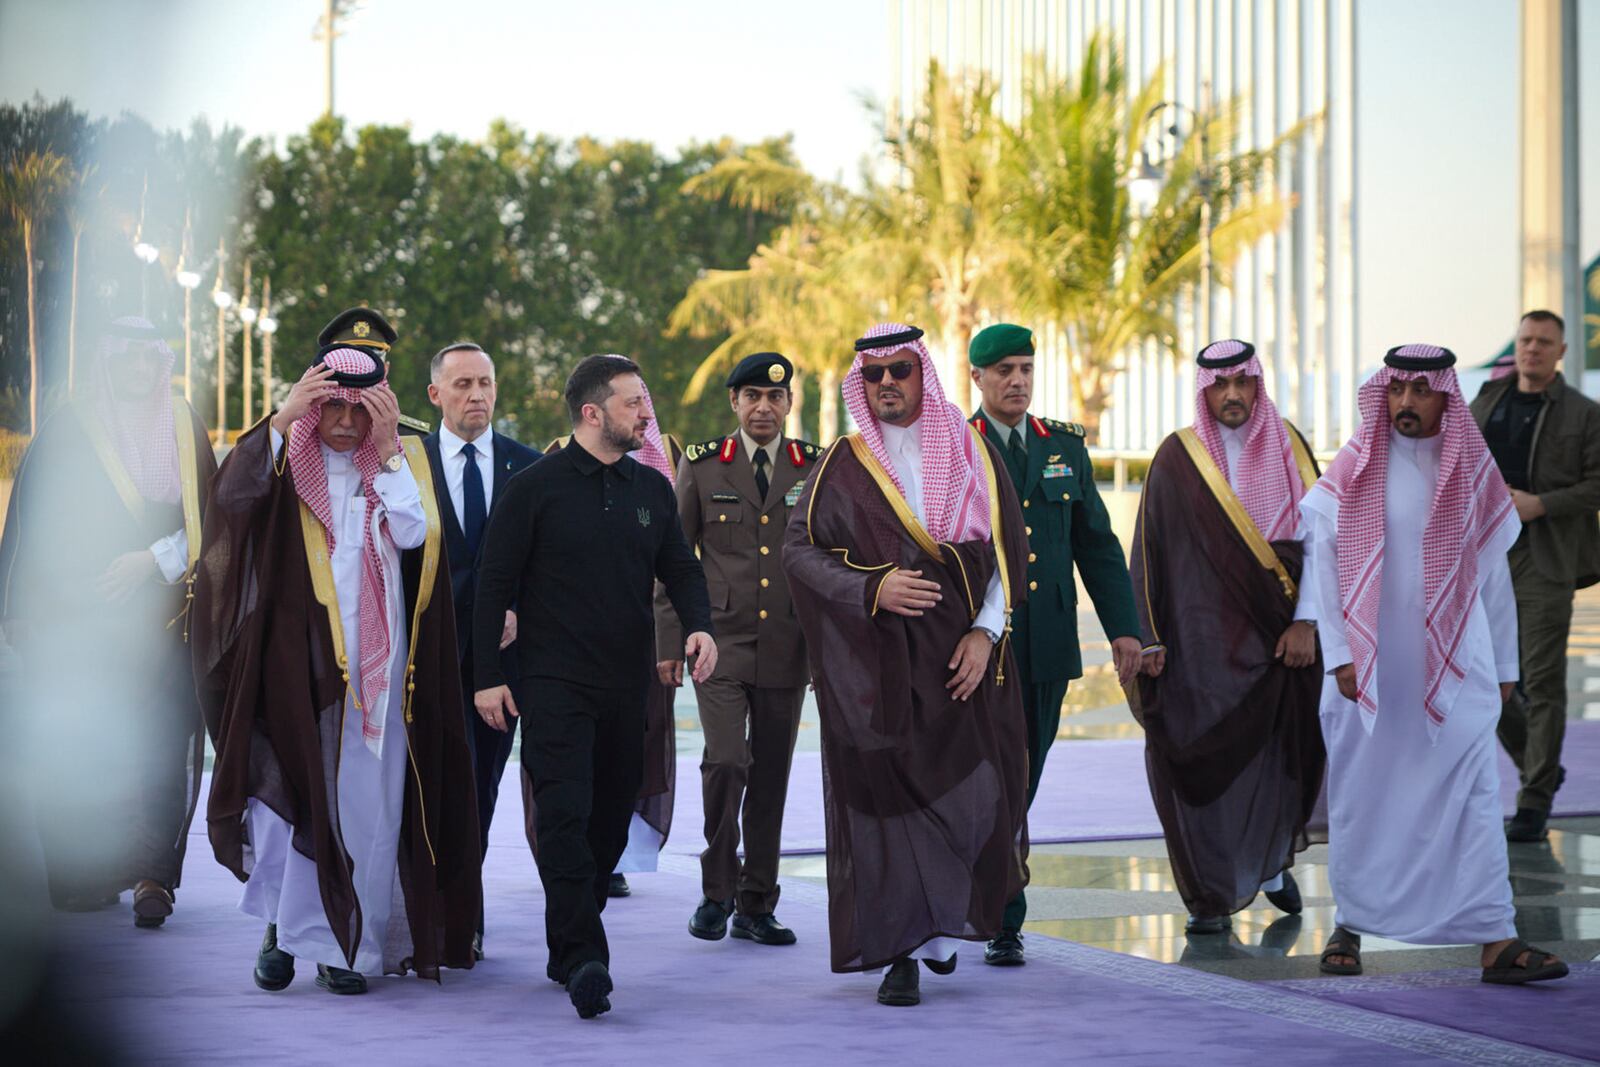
point(1120, 895)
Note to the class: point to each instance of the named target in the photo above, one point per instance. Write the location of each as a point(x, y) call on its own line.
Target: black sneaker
point(618, 887)
point(901, 986)
point(274, 966)
point(1527, 825)
point(710, 920)
point(589, 989)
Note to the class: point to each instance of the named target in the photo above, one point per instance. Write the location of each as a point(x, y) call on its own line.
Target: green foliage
point(542, 251)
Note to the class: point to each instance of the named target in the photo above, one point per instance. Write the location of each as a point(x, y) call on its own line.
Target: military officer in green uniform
point(1066, 522)
point(365, 329)
point(734, 498)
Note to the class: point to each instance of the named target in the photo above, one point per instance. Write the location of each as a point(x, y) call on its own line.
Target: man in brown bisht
point(101, 533)
point(905, 554)
point(1229, 686)
point(325, 656)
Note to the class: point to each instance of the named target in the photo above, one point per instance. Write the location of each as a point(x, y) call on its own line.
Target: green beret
point(994, 343)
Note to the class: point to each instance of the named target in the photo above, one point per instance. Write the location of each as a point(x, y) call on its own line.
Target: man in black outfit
point(471, 466)
point(577, 543)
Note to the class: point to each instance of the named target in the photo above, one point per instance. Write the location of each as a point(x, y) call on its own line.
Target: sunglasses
point(873, 372)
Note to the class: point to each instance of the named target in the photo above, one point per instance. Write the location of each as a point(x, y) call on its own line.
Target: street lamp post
point(1144, 188)
point(247, 315)
point(268, 326)
point(145, 252)
point(223, 299)
point(188, 280)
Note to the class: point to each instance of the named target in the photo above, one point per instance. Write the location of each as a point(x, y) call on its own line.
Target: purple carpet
point(1093, 791)
point(1560, 1017)
point(184, 994)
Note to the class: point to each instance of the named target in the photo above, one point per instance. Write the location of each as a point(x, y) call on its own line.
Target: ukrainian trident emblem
point(644, 516)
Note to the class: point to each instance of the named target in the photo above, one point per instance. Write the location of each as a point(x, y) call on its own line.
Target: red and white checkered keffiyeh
point(142, 431)
point(955, 491)
point(1266, 478)
point(654, 453)
point(311, 483)
point(1470, 506)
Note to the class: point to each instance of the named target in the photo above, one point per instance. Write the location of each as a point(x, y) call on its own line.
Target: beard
point(620, 436)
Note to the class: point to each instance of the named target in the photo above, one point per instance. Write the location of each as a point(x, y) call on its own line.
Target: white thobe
point(904, 445)
point(282, 887)
point(1416, 847)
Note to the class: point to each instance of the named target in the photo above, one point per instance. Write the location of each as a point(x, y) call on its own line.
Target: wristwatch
point(994, 638)
point(394, 463)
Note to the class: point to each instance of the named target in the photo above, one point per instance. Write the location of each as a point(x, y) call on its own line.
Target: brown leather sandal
point(1542, 966)
point(1342, 943)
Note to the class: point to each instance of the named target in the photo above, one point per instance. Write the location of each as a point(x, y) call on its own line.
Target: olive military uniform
point(1066, 523)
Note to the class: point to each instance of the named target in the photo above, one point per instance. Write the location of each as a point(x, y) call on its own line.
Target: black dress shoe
point(589, 989)
point(274, 967)
point(942, 967)
point(618, 887)
point(1527, 825)
point(901, 986)
point(1207, 924)
point(477, 947)
point(1287, 899)
point(762, 929)
point(710, 920)
point(1005, 950)
point(340, 981)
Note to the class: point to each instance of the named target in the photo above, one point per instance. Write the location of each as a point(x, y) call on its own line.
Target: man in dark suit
point(471, 464)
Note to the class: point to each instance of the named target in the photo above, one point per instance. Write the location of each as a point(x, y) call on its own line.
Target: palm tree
point(800, 295)
point(79, 208)
point(31, 187)
point(940, 217)
point(1105, 277)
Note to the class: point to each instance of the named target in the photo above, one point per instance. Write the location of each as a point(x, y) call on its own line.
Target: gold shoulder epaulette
point(696, 452)
point(811, 451)
point(415, 424)
point(1075, 428)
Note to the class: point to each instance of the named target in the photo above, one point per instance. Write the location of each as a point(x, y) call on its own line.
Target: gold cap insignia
point(361, 329)
point(775, 373)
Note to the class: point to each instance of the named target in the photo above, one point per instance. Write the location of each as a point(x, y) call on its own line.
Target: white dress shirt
point(904, 445)
point(455, 468)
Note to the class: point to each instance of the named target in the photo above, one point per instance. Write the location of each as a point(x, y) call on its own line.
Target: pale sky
point(1437, 99)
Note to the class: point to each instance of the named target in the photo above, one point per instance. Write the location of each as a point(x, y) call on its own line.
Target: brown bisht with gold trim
point(274, 694)
point(120, 779)
point(925, 796)
point(1232, 741)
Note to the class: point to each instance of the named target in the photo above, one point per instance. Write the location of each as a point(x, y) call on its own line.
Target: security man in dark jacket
point(1545, 438)
point(471, 465)
point(1066, 523)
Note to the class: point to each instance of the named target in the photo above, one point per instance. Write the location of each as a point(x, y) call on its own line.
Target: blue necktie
point(472, 498)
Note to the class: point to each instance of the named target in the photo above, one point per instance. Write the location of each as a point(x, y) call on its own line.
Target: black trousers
point(584, 750)
point(490, 749)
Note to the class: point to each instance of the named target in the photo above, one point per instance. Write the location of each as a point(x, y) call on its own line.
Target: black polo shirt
point(579, 545)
